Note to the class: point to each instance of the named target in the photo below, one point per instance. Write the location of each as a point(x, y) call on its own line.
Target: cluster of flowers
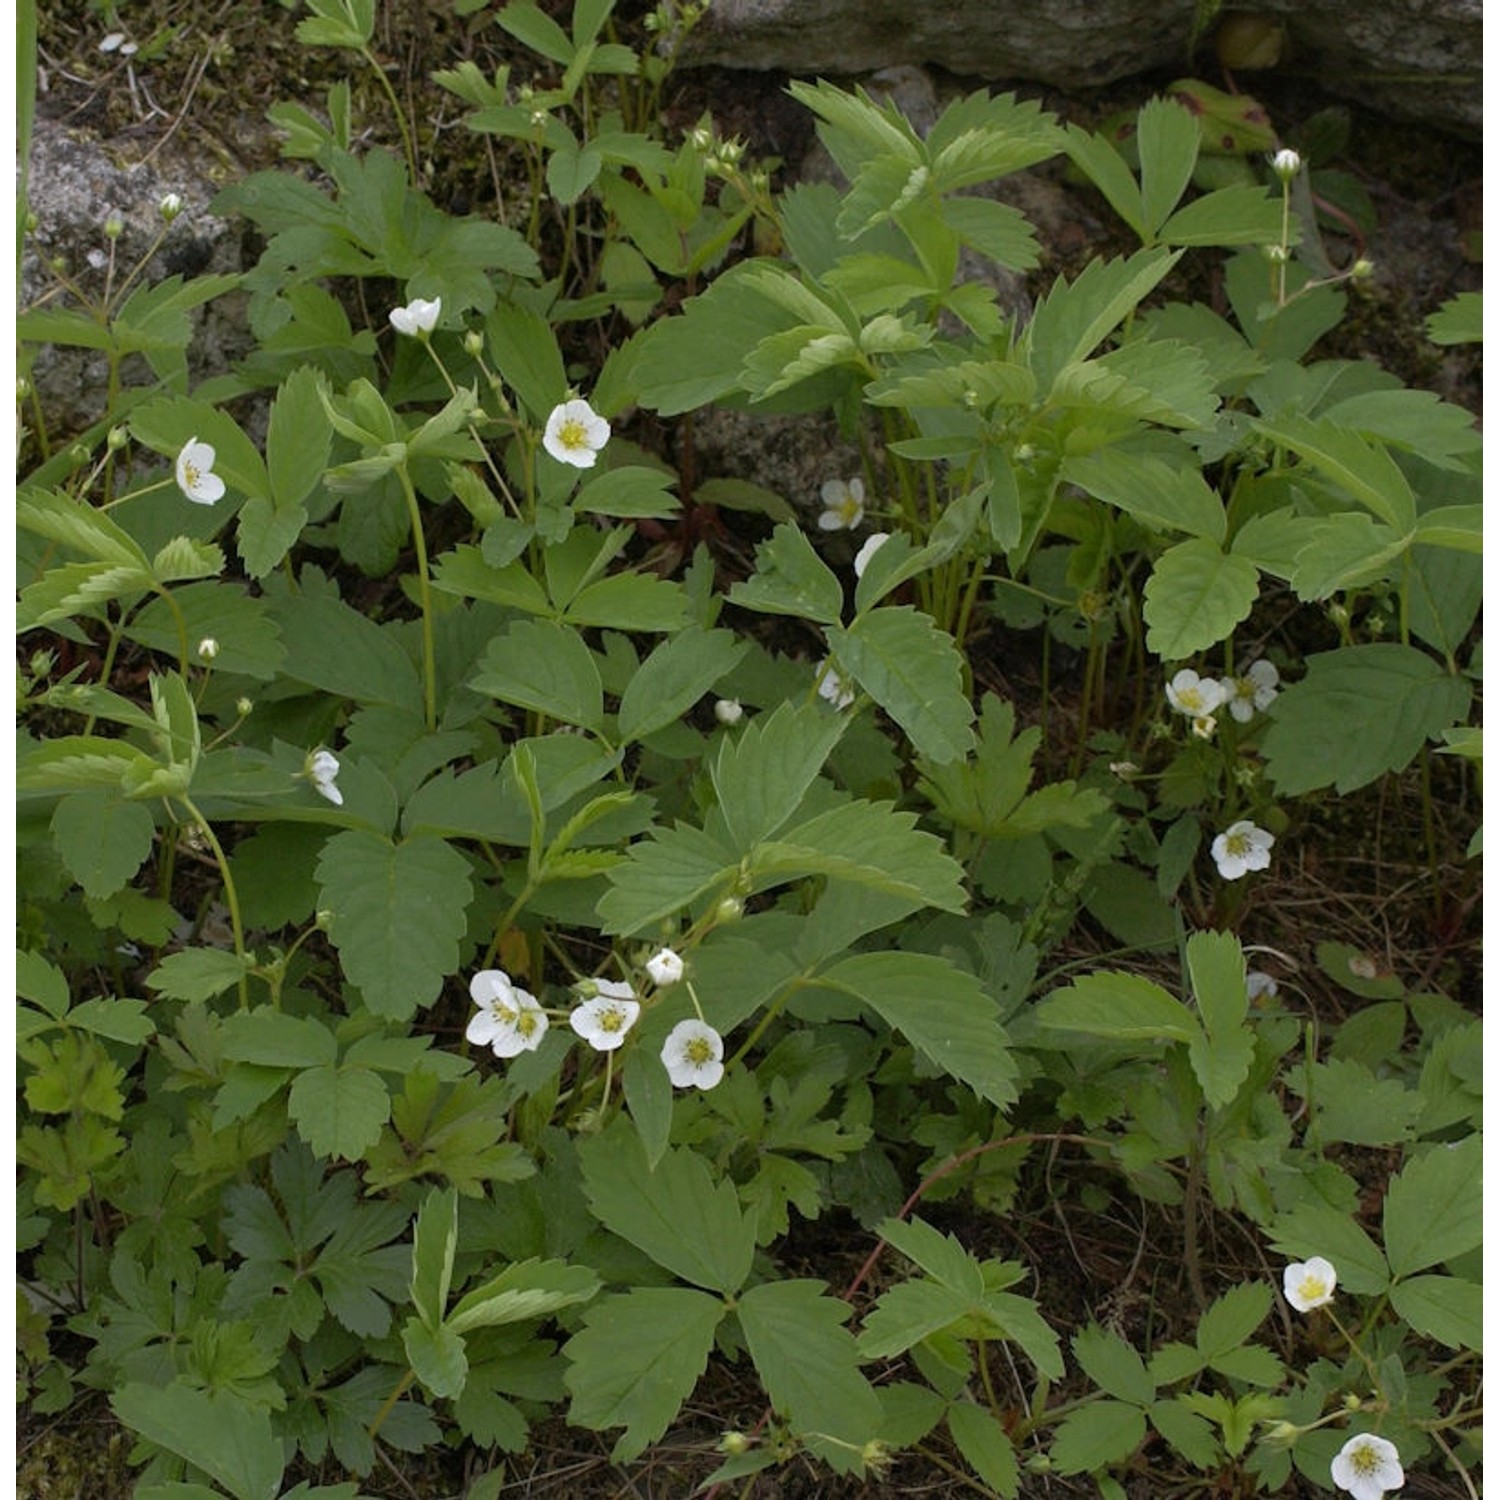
point(510, 1021)
point(1200, 698)
point(1367, 1465)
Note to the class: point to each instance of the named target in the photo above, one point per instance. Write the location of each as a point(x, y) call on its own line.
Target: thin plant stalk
point(424, 593)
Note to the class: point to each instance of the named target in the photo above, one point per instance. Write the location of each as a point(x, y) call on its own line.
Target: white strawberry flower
point(693, 1055)
point(729, 711)
point(872, 544)
point(665, 967)
point(1193, 695)
point(508, 1019)
point(603, 1020)
point(1367, 1466)
point(1310, 1283)
point(1242, 847)
point(832, 687)
point(575, 434)
point(418, 318)
point(1254, 691)
point(322, 767)
point(843, 504)
point(195, 473)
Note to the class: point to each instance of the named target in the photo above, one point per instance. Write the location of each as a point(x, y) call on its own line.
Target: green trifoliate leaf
point(809, 1365)
point(1361, 468)
point(914, 672)
point(1360, 711)
point(943, 1011)
point(1113, 1365)
point(1153, 491)
point(1195, 597)
point(1099, 1434)
point(437, 1357)
point(1442, 1308)
point(196, 974)
point(986, 1447)
point(664, 875)
point(1118, 1007)
point(399, 911)
point(1433, 1207)
point(221, 1434)
point(676, 1213)
point(637, 1359)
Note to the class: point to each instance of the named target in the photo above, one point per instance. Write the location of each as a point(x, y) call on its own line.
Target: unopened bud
point(244, 707)
point(1276, 254)
point(1282, 1434)
point(78, 455)
point(208, 648)
point(701, 137)
point(117, 439)
point(1362, 270)
point(538, 117)
point(324, 919)
point(734, 1443)
point(170, 206)
point(1338, 613)
point(1286, 164)
point(23, 387)
point(1353, 1403)
point(114, 227)
point(728, 711)
point(730, 909)
point(473, 343)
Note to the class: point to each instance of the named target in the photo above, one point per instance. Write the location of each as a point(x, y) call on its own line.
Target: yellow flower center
point(526, 1022)
point(572, 435)
point(192, 474)
point(1364, 1459)
point(1239, 844)
point(502, 1012)
point(1312, 1287)
point(699, 1051)
point(611, 1020)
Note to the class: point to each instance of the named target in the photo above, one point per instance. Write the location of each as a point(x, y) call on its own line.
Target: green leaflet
point(1195, 597)
point(398, 913)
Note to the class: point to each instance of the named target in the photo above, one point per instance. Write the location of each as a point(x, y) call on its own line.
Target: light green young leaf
point(942, 1010)
point(437, 1357)
point(1118, 1007)
point(1460, 320)
point(230, 1440)
point(1433, 1207)
point(102, 839)
point(83, 528)
point(809, 1364)
point(1195, 597)
point(676, 1213)
point(434, 1243)
point(546, 667)
point(529, 1289)
point(637, 1359)
point(1364, 469)
point(764, 771)
point(1238, 215)
point(914, 672)
point(339, 1111)
point(986, 1447)
point(399, 911)
point(1358, 712)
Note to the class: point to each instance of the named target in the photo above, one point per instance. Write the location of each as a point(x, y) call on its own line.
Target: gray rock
point(1417, 58)
point(74, 185)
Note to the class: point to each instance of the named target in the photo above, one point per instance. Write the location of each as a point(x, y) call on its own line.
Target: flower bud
point(473, 343)
point(78, 455)
point(170, 206)
point(1286, 164)
point(114, 227)
point(324, 919)
point(1282, 1434)
point(728, 711)
point(208, 648)
point(734, 1443)
point(1362, 269)
point(730, 909)
point(701, 137)
point(244, 707)
point(1276, 254)
point(117, 439)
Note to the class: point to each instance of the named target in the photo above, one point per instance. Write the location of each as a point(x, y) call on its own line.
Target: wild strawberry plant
point(461, 944)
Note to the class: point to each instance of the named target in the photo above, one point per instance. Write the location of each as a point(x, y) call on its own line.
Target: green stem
point(406, 137)
point(402, 1386)
point(424, 591)
point(231, 896)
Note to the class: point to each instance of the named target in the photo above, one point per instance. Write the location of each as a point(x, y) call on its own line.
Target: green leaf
point(1167, 138)
point(1164, 496)
point(41, 982)
point(942, 1010)
point(1442, 1308)
point(664, 875)
point(434, 1242)
point(1314, 1227)
point(249, 638)
point(791, 579)
point(1359, 711)
point(986, 1447)
point(1186, 1431)
point(399, 911)
point(674, 677)
point(1432, 1207)
point(1365, 470)
point(906, 1314)
point(1195, 597)
point(629, 601)
point(273, 1039)
point(103, 840)
point(1460, 320)
point(196, 974)
point(546, 667)
point(1117, 1007)
point(1096, 156)
point(335, 648)
point(529, 1289)
point(339, 1111)
point(571, 169)
point(1099, 1434)
point(1113, 1365)
point(1237, 215)
point(994, 229)
point(1229, 1321)
point(298, 438)
point(762, 773)
point(229, 1440)
point(637, 1359)
point(940, 1255)
point(632, 490)
point(808, 1362)
point(1221, 1057)
point(913, 671)
point(437, 1357)
point(1072, 321)
point(677, 1214)
point(1351, 1104)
